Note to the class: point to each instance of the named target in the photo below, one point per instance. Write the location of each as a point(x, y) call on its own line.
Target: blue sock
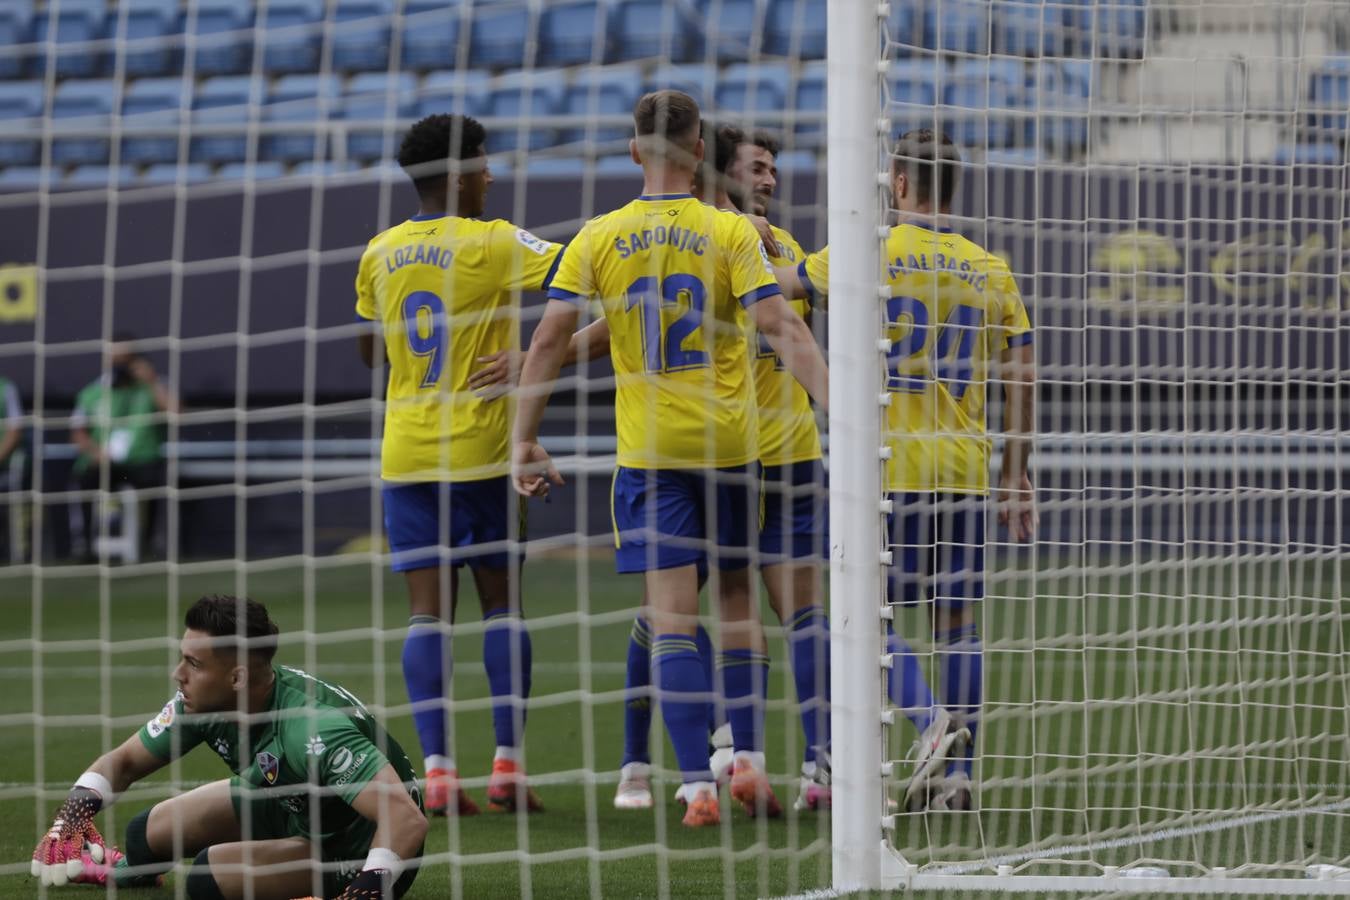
point(426, 672)
point(637, 704)
point(907, 687)
point(962, 660)
point(683, 690)
point(745, 681)
point(508, 658)
point(809, 644)
point(708, 657)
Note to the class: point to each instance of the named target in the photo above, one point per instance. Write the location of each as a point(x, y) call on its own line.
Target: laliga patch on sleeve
point(160, 723)
point(530, 242)
point(764, 255)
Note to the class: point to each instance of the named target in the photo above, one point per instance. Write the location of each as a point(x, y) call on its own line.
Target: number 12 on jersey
point(663, 345)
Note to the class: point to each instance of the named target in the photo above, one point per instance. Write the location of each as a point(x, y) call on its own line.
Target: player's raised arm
point(59, 855)
point(791, 339)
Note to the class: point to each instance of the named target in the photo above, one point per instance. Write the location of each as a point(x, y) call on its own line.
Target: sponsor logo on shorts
point(269, 766)
point(530, 242)
point(160, 723)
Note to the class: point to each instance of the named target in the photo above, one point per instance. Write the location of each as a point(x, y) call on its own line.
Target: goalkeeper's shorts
point(937, 547)
point(264, 817)
point(794, 521)
point(471, 519)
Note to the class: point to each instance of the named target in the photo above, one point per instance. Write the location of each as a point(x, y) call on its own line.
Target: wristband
point(383, 859)
point(99, 785)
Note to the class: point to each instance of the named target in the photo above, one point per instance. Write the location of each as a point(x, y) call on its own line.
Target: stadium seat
point(152, 103)
point(292, 33)
point(912, 87)
point(568, 167)
point(148, 22)
point(528, 99)
point(618, 165)
point(1107, 27)
point(22, 178)
point(1060, 101)
point(753, 88)
point(69, 25)
point(796, 28)
point(1031, 27)
point(92, 177)
point(1320, 153)
point(1013, 156)
point(696, 80)
point(960, 26)
point(653, 29)
point(228, 100)
point(902, 28)
point(361, 35)
point(221, 45)
point(601, 91)
point(809, 102)
point(81, 105)
point(569, 33)
point(453, 92)
point(16, 22)
point(734, 29)
point(19, 144)
point(1329, 96)
point(259, 170)
point(322, 168)
point(299, 98)
point(497, 35)
point(169, 173)
point(430, 34)
point(1011, 73)
point(978, 112)
point(800, 162)
point(371, 104)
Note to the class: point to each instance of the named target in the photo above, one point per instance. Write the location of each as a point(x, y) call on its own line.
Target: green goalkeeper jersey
point(314, 743)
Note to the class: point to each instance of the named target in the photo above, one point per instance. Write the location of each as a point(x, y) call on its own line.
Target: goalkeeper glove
point(59, 855)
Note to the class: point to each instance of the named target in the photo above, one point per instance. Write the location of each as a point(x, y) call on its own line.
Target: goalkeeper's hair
point(433, 142)
point(218, 615)
point(929, 160)
point(729, 138)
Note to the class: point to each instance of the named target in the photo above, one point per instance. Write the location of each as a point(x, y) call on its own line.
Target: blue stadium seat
point(1320, 153)
point(497, 35)
point(645, 29)
point(1031, 27)
point(259, 170)
point(16, 23)
point(222, 46)
point(228, 100)
point(809, 102)
point(169, 173)
point(601, 91)
point(753, 88)
point(292, 33)
point(453, 92)
point(361, 35)
point(902, 28)
point(798, 162)
point(377, 99)
point(94, 177)
point(1013, 156)
point(796, 28)
point(322, 168)
point(568, 167)
point(734, 29)
point(1009, 72)
point(69, 25)
point(696, 80)
point(148, 22)
point(1060, 101)
point(23, 178)
point(81, 105)
point(430, 34)
point(1107, 27)
point(568, 34)
point(978, 112)
point(911, 86)
point(20, 100)
point(618, 165)
point(960, 26)
point(299, 98)
point(517, 101)
point(154, 103)
point(1330, 97)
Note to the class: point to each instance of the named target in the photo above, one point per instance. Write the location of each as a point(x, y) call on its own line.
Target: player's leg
point(792, 541)
point(959, 586)
point(176, 828)
point(413, 520)
point(278, 869)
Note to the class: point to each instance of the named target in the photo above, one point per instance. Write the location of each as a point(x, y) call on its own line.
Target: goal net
point(1164, 668)
point(187, 187)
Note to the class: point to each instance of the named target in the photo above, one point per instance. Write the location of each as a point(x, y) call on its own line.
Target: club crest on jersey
point(530, 242)
point(269, 766)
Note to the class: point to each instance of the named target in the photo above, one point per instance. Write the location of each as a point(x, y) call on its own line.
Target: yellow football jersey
point(787, 426)
point(674, 275)
point(445, 291)
point(954, 307)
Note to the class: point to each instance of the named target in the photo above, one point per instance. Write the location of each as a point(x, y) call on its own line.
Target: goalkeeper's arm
point(57, 857)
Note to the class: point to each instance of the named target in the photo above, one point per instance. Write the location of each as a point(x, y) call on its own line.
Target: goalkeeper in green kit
point(323, 801)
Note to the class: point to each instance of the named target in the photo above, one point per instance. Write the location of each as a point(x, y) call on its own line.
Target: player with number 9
point(444, 289)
